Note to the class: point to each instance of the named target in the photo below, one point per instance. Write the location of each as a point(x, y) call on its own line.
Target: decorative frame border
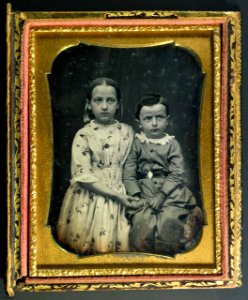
point(227, 84)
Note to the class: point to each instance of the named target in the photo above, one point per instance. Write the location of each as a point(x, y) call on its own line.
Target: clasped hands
point(137, 201)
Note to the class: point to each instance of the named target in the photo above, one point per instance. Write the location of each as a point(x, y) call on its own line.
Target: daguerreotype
point(123, 150)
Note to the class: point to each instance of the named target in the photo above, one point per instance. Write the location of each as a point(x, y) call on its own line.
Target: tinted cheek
point(163, 123)
point(95, 110)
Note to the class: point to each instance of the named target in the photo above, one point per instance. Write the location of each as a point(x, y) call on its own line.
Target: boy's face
point(153, 120)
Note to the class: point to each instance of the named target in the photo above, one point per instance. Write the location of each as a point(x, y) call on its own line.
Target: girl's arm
point(81, 170)
point(101, 189)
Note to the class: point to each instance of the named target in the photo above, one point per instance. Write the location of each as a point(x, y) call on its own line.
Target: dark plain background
point(96, 5)
point(169, 70)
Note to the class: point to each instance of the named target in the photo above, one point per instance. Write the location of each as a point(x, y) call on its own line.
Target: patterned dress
point(89, 223)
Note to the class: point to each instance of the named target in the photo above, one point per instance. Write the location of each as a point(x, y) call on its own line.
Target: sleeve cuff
point(132, 189)
point(84, 179)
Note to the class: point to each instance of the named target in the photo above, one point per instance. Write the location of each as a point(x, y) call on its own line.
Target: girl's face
point(104, 103)
point(153, 120)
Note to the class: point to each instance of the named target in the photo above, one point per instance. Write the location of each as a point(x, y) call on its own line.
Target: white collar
point(95, 125)
point(163, 141)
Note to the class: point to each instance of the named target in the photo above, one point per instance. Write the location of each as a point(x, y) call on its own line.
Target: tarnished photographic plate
point(191, 59)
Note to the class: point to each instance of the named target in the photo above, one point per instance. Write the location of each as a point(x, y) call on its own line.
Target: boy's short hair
point(149, 100)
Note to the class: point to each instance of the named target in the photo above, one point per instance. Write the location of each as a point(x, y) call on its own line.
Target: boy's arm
point(176, 169)
point(130, 171)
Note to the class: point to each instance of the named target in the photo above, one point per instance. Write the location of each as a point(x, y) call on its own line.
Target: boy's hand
point(157, 201)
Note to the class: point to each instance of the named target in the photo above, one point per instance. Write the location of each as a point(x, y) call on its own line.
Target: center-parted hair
point(149, 100)
point(88, 115)
point(103, 81)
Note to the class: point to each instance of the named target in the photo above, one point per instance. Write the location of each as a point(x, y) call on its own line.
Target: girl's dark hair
point(103, 81)
point(88, 115)
point(149, 100)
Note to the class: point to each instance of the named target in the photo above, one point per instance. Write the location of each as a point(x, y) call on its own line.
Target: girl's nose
point(104, 105)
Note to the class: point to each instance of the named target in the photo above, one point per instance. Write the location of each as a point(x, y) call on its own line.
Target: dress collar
point(163, 141)
point(95, 125)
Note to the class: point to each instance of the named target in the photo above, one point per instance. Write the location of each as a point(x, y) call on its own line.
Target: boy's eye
point(160, 117)
point(147, 118)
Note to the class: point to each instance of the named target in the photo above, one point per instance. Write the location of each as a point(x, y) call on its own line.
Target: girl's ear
point(88, 105)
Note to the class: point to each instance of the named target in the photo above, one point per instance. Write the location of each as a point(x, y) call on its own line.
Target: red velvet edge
point(25, 150)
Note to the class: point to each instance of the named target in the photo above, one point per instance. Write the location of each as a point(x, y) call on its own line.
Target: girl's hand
point(142, 202)
point(128, 201)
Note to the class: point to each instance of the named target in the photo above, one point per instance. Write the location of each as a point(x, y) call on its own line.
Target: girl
point(170, 221)
point(92, 217)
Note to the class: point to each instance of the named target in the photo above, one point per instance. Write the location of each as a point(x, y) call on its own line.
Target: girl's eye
point(97, 100)
point(111, 100)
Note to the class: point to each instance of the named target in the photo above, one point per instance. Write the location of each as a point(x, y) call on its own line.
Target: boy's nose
point(154, 122)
